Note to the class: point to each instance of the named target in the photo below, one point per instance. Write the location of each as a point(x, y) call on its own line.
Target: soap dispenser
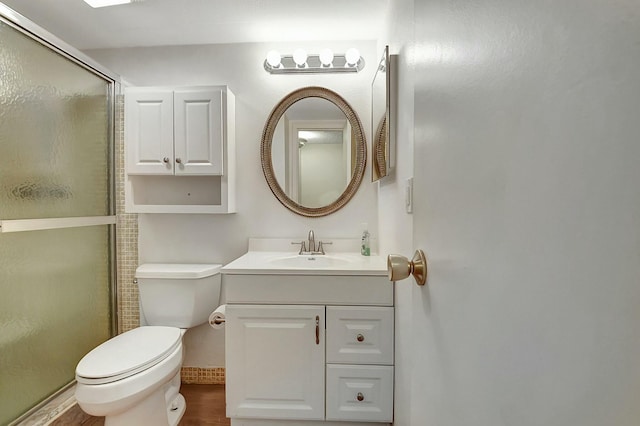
point(365, 249)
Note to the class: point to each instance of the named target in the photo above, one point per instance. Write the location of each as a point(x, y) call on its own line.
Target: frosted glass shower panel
point(54, 133)
point(53, 310)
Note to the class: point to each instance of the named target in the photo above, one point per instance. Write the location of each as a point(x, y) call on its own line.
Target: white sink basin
point(270, 272)
point(263, 262)
point(309, 261)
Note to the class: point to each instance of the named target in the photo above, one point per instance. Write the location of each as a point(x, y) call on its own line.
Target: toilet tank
point(178, 295)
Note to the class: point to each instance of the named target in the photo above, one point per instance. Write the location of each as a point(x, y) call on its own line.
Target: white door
point(149, 132)
point(275, 361)
point(526, 203)
point(198, 132)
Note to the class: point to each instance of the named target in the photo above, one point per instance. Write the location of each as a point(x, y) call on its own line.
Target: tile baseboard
point(202, 376)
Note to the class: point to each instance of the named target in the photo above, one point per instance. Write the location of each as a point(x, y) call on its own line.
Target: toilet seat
point(127, 354)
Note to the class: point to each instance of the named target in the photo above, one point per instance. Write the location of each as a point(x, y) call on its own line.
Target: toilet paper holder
point(217, 318)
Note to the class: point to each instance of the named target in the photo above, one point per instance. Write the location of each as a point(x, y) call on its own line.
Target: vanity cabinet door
point(149, 132)
point(198, 132)
point(275, 361)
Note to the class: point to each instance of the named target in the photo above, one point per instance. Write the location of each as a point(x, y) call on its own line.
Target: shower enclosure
point(56, 213)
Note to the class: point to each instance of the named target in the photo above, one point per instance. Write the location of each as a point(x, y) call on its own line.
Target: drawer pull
point(360, 338)
point(317, 329)
point(360, 397)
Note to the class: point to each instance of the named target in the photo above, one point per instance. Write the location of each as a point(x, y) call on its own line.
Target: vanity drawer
point(360, 335)
point(359, 393)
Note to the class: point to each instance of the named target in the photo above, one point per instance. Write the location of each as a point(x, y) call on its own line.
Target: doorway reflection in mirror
point(313, 157)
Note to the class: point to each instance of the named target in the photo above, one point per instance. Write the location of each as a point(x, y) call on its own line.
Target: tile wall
point(127, 237)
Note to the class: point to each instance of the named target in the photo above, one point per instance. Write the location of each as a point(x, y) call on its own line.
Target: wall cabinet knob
point(360, 397)
point(360, 338)
point(178, 160)
point(165, 160)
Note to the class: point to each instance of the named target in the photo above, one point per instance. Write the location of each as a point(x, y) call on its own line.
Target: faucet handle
point(321, 246)
point(303, 246)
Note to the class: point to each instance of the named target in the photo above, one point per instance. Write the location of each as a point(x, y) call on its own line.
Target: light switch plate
point(408, 195)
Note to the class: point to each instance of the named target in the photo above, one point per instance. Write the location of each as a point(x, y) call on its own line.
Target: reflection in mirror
point(380, 112)
point(313, 151)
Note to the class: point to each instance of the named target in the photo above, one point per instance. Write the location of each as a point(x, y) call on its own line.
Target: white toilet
point(134, 378)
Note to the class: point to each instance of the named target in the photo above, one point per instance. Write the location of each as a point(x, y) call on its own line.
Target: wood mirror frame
point(357, 135)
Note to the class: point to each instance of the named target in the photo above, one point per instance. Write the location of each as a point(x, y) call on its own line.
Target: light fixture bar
point(313, 65)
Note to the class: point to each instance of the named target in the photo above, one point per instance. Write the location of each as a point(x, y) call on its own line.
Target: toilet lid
point(127, 354)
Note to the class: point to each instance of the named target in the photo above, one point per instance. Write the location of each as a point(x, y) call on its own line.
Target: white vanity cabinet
point(308, 345)
point(180, 149)
point(329, 364)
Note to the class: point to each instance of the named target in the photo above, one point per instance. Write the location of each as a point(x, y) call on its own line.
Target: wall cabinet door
point(149, 132)
point(275, 362)
point(198, 132)
point(177, 132)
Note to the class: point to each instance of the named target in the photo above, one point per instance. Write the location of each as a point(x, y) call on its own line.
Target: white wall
point(525, 139)
point(395, 226)
point(220, 239)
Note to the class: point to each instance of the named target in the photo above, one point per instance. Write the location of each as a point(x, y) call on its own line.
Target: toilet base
point(164, 407)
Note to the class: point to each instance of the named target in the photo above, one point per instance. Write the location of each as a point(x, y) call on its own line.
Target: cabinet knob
point(178, 160)
point(360, 338)
point(165, 160)
point(360, 397)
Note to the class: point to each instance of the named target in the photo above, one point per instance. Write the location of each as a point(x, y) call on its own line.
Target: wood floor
point(205, 407)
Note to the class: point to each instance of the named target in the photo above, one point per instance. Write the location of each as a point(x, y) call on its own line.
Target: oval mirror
point(313, 151)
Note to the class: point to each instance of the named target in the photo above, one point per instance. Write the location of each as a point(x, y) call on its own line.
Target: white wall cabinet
point(180, 149)
point(174, 132)
point(279, 357)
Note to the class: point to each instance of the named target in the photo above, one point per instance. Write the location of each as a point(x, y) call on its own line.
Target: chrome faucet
point(310, 244)
point(312, 241)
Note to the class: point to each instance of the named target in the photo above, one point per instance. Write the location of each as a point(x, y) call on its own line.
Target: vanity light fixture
point(325, 62)
point(103, 3)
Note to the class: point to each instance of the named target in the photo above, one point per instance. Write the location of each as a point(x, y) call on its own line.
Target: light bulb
point(352, 56)
point(273, 58)
point(300, 57)
point(326, 57)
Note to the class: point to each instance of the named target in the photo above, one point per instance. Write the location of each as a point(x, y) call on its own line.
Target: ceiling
point(180, 22)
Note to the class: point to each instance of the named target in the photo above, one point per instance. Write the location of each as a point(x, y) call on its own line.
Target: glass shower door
point(56, 218)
